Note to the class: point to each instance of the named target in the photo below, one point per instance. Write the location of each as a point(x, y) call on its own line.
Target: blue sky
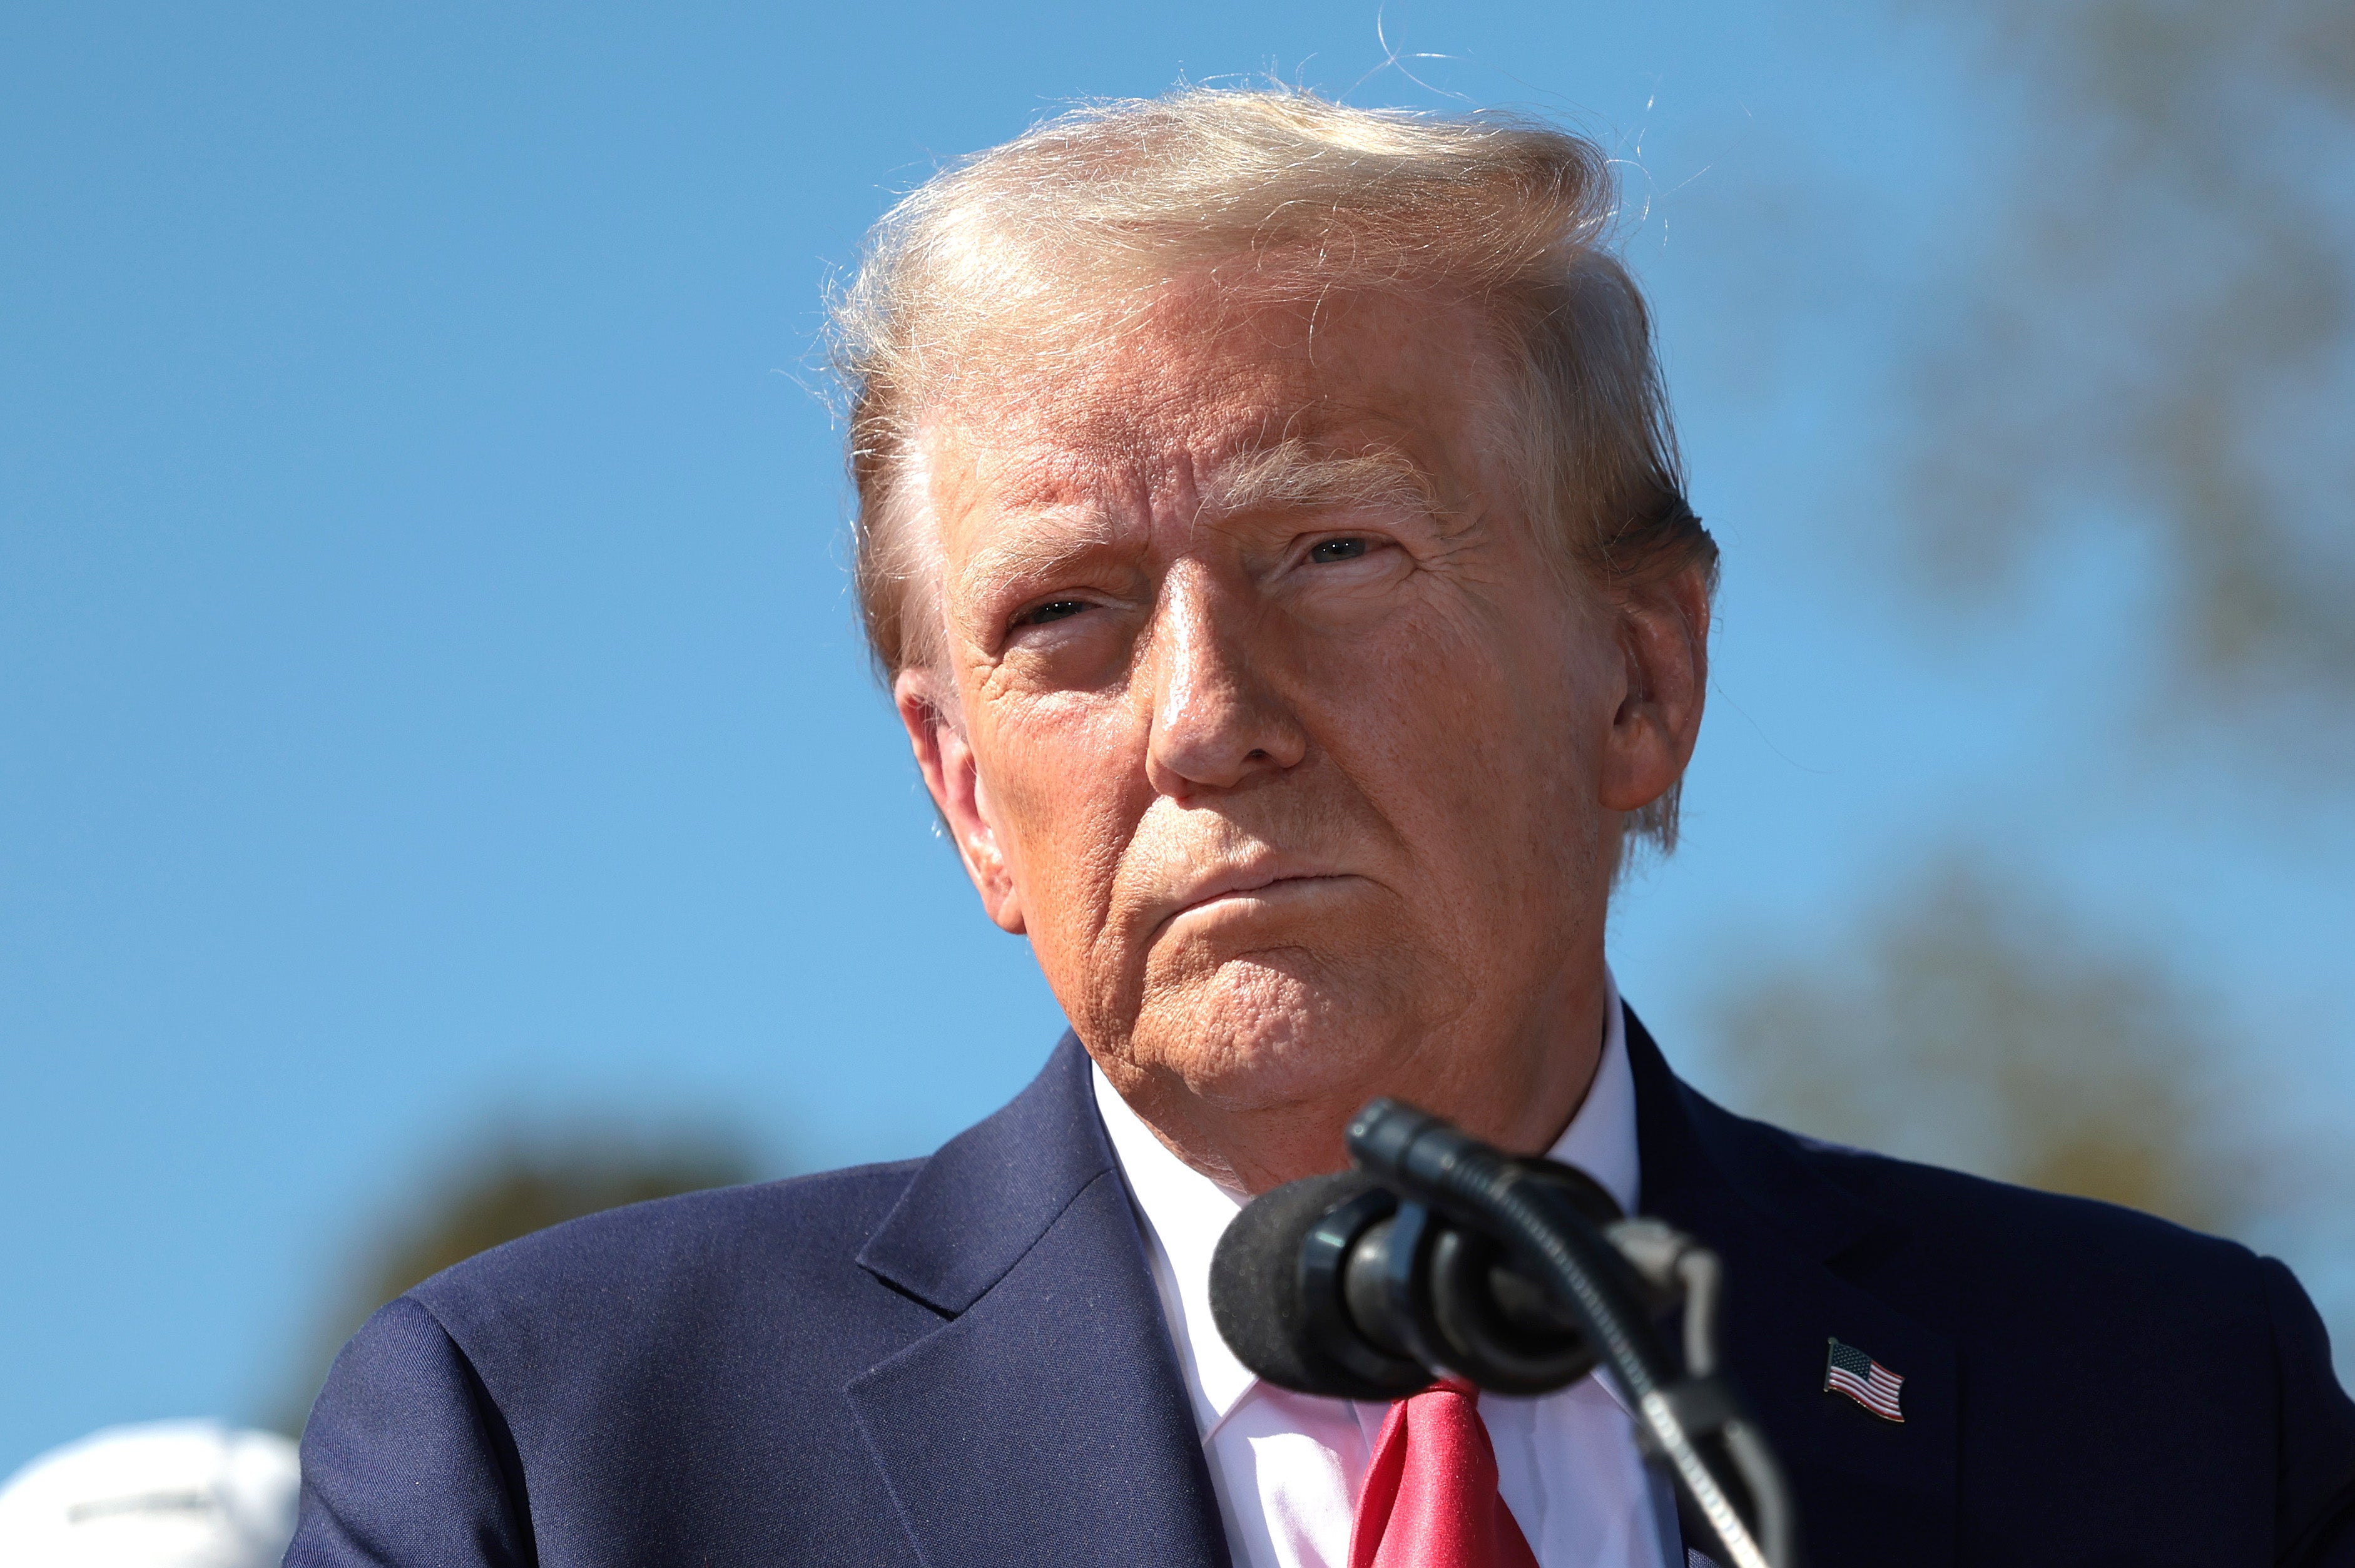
point(427, 690)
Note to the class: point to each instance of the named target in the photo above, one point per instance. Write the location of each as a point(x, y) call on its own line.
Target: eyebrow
point(1294, 475)
point(1025, 554)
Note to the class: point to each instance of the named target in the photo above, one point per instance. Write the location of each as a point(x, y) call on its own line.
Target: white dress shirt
point(1287, 1466)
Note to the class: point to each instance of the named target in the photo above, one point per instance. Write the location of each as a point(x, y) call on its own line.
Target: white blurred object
point(170, 1494)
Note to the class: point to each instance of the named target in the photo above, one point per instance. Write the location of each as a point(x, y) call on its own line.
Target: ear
point(947, 761)
point(1663, 636)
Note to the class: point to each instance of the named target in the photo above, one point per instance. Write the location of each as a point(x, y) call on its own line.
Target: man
point(1270, 526)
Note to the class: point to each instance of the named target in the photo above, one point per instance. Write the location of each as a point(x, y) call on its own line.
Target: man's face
point(1274, 724)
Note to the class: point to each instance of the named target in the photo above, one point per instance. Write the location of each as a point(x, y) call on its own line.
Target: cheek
point(1066, 786)
point(1472, 735)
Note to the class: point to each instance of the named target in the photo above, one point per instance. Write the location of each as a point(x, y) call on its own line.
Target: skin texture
point(1267, 714)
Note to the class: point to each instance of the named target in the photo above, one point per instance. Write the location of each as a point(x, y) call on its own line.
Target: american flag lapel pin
point(1864, 1380)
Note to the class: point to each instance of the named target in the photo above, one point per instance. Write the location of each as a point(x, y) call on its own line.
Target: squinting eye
point(1054, 610)
point(1337, 549)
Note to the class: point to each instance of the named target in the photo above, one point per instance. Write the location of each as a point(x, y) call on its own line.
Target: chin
point(1276, 1028)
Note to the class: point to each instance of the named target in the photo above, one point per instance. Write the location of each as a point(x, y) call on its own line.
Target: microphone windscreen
point(1256, 1291)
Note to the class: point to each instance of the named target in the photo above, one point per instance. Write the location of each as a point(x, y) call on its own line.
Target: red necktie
point(1431, 1497)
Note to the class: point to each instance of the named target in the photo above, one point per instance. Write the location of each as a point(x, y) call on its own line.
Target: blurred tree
point(2158, 327)
point(1977, 1030)
point(519, 1186)
point(2147, 336)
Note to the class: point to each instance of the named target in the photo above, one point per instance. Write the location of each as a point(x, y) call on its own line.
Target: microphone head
point(1287, 1322)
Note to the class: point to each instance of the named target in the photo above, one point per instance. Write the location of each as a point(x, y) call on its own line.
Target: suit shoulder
point(789, 1234)
point(1957, 1247)
point(1953, 1205)
point(634, 1364)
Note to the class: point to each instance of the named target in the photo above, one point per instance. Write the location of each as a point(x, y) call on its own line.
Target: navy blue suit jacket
point(961, 1362)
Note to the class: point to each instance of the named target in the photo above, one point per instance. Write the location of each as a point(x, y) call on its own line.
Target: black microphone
point(1443, 1254)
point(1333, 1285)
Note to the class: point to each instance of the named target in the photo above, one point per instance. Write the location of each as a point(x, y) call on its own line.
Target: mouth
point(1239, 887)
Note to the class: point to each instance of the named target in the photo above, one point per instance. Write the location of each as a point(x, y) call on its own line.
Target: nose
point(1216, 723)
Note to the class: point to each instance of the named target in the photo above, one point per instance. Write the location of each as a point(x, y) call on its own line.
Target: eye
point(1054, 610)
point(1325, 552)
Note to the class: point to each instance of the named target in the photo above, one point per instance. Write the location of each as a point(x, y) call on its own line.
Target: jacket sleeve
point(406, 1461)
point(2315, 1527)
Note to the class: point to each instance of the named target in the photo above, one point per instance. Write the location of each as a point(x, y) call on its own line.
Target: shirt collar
point(1185, 1212)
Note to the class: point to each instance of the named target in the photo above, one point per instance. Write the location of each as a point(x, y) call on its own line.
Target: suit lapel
point(1870, 1490)
point(1045, 1420)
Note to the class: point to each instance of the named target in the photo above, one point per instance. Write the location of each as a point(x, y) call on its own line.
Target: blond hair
point(1079, 225)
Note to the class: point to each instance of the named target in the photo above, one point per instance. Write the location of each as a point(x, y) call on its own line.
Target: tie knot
point(1430, 1498)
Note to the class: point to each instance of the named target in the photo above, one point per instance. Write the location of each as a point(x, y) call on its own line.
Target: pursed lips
point(1243, 882)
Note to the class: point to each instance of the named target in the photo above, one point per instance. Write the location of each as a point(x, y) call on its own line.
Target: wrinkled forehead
point(1203, 408)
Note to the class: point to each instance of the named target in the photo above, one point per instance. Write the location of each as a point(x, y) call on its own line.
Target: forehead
point(1154, 413)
